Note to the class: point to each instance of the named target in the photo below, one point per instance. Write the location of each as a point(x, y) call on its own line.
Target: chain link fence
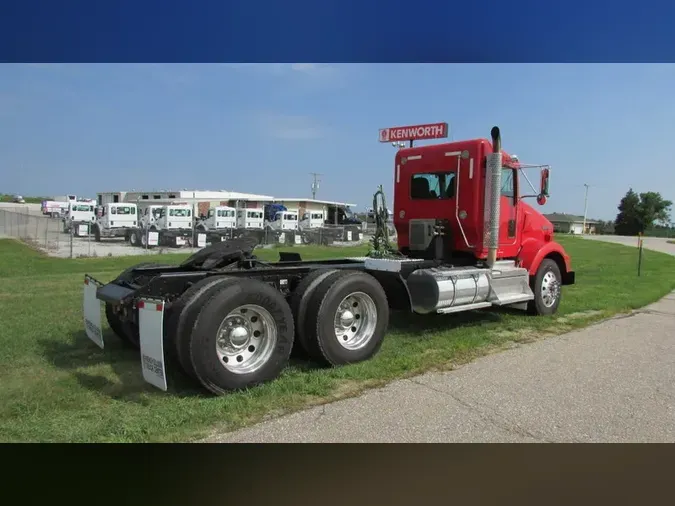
point(49, 235)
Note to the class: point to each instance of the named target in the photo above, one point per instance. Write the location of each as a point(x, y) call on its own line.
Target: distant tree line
point(646, 213)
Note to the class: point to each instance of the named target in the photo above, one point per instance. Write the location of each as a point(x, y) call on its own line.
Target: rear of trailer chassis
point(230, 321)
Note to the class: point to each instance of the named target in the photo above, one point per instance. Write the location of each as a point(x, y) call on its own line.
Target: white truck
point(79, 218)
point(219, 218)
point(219, 224)
point(164, 225)
point(284, 220)
point(312, 219)
point(115, 220)
point(250, 219)
point(58, 206)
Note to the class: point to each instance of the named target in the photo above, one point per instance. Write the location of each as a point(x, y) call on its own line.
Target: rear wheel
point(183, 314)
point(299, 300)
point(347, 318)
point(242, 337)
point(133, 238)
point(97, 233)
point(546, 285)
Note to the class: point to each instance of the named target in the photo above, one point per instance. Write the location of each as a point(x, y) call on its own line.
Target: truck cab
point(312, 219)
point(178, 217)
point(442, 193)
point(284, 220)
point(115, 220)
point(150, 215)
point(250, 218)
point(79, 213)
point(220, 218)
point(341, 216)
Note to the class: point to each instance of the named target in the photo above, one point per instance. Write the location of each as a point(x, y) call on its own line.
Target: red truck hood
point(535, 225)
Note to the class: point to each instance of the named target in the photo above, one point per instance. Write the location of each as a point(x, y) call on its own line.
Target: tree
point(638, 213)
point(604, 227)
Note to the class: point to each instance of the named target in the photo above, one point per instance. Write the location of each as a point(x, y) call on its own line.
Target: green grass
point(56, 385)
point(29, 200)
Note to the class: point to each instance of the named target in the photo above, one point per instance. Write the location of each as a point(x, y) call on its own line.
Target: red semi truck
point(466, 240)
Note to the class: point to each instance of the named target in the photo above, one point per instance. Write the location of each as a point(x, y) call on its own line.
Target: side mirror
point(544, 187)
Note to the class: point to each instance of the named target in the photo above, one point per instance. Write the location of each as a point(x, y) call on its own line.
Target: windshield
point(179, 212)
point(291, 216)
point(83, 208)
point(225, 213)
point(348, 212)
point(317, 216)
point(254, 214)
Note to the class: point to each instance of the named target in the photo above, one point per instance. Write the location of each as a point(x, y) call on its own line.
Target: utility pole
point(585, 208)
point(315, 184)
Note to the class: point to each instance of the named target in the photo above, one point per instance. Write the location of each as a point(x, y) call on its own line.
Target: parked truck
point(466, 240)
point(312, 219)
point(219, 224)
point(280, 218)
point(115, 220)
point(57, 207)
point(250, 219)
point(164, 225)
point(80, 217)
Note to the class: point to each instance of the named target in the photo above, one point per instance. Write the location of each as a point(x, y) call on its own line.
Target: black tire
point(321, 310)
point(127, 332)
point(298, 301)
point(133, 238)
point(183, 314)
point(97, 233)
point(213, 373)
point(538, 306)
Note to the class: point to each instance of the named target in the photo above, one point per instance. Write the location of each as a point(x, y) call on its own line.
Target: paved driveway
point(653, 243)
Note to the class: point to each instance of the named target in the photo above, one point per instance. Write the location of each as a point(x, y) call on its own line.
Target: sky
point(263, 128)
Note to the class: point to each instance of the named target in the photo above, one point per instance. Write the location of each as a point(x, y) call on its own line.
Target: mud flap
point(92, 311)
point(151, 330)
point(153, 238)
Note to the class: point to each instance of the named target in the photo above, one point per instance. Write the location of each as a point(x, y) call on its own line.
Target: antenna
point(315, 183)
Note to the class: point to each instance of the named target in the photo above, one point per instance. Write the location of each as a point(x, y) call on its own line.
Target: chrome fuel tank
point(437, 288)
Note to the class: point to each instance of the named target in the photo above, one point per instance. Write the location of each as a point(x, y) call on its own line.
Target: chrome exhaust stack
point(493, 184)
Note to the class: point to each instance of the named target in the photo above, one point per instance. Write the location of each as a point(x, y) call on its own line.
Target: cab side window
point(508, 182)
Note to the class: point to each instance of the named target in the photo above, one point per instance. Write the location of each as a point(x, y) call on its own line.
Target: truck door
point(508, 212)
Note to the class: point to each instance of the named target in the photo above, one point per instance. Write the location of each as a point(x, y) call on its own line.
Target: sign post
point(639, 254)
point(414, 133)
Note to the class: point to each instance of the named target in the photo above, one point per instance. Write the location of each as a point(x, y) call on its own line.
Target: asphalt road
point(653, 243)
point(611, 382)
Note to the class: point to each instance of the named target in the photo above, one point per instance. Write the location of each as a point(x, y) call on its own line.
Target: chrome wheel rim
point(246, 339)
point(550, 289)
point(355, 321)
